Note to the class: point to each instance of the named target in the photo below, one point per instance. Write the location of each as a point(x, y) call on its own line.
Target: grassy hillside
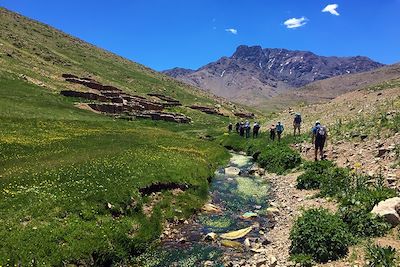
point(72, 182)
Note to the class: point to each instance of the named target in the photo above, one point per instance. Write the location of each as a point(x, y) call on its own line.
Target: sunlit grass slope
point(70, 179)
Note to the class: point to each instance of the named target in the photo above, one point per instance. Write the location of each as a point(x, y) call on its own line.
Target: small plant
point(320, 234)
point(335, 182)
point(378, 256)
point(362, 223)
point(303, 260)
point(357, 202)
point(313, 176)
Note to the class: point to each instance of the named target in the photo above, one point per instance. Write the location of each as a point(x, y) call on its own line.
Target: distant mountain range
point(253, 73)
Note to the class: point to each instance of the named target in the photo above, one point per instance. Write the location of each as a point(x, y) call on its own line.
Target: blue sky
point(188, 33)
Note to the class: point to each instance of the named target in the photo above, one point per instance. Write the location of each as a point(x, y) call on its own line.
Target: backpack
point(297, 119)
point(321, 131)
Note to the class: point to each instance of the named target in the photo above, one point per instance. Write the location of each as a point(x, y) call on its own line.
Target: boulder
point(272, 261)
point(382, 151)
point(272, 211)
point(232, 171)
point(387, 210)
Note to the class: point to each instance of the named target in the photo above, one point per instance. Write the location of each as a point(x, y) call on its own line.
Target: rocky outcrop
point(171, 101)
point(207, 110)
point(389, 209)
point(107, 108)
point(244, 115)
point(113, 101)
point(71, 76)
point(165, 116)
point(85, 95)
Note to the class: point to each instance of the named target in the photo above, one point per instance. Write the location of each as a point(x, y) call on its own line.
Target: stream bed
point(241, 194)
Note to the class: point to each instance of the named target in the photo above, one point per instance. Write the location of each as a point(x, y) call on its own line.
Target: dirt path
point(290, 202)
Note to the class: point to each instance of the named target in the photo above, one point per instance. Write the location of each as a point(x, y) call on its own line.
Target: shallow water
point(236, 195)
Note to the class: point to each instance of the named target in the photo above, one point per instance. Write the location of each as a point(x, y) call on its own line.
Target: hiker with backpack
point(237, 127)
point(319, 136)
point(272, 131)
point(230, 127)
point(279, 130)
point(241, 129)
point(247, 128)
point(297, 123)
point(256, 129)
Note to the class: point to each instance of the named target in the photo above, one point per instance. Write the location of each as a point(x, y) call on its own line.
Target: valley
point(106, 162)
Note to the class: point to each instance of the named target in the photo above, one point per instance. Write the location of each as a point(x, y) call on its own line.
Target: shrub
point(320, 234)
point(308, 180)
point(381, 256)
point(278, 158)
point(302, 260)
point(335, 182)
point(312, 177)
point(362, 223)
point(356, 205)
point(366, 198)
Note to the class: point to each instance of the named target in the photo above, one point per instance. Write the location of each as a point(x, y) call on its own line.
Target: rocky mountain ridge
point(253, 72)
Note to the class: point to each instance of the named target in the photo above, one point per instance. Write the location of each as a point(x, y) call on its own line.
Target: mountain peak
point(244, 51)
point(253, 73)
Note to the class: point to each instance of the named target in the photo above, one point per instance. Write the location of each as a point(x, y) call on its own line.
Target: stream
point(243, 200)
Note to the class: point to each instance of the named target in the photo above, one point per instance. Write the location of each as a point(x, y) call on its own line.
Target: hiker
point(279, 130)
point(241, 129)
point(230, 127)
point(247, 128)
point(256, 129)
point(296, 123)
point(237, 126)
point(319, 136)
point(272, 131)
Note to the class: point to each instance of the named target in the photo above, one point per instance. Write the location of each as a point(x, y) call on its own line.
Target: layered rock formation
point(113, 101)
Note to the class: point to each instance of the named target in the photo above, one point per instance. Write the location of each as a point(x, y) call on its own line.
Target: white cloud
point(331, 9)
point(231, 30)
point(295, 22)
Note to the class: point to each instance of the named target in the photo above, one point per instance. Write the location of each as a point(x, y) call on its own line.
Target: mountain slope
point(252, 73)
point(328, 89)
point(72, 181)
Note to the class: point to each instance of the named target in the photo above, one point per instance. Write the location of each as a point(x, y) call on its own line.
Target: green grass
point(276, 157)
point(62, 167)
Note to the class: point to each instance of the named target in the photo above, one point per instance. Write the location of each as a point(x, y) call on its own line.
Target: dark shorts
point(320, 143)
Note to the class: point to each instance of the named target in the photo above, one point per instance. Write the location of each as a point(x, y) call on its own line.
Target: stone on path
point(387, 210)
point(232, 171)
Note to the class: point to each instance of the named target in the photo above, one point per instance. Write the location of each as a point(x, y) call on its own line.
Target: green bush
point(312, 177)
point(302, 260)
point(278, 158)
point(320, 234)
point(366, 198)
point(308, 180)
point(362, 223)
point(381, 256)
point(335, 182)
point(355, 207)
